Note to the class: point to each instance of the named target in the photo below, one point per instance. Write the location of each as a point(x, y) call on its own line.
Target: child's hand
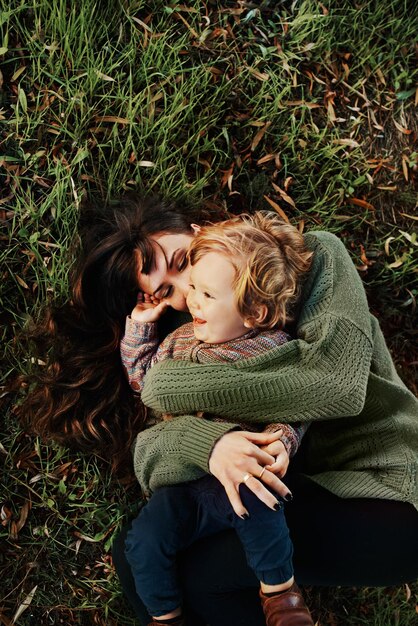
point(278, 450)
point(148, 308)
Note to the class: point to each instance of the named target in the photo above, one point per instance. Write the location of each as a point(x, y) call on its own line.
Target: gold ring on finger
point(246, 477)
point(261, 473)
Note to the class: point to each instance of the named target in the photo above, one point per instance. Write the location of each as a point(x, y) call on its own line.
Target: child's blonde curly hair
point(270, 258)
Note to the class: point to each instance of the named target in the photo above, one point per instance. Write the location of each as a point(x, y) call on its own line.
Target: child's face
point(211, 300)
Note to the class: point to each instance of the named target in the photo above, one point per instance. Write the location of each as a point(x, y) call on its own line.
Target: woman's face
point(168, 279)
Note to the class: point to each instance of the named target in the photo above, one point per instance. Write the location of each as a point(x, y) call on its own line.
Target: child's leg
point(162, 528)
point(266, 541)
point(173, 519)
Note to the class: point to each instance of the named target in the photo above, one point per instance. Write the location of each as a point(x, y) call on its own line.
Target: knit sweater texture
point(337, 373)
point(141, 349)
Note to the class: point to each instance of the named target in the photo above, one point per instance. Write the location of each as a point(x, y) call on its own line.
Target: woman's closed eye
point(182, 263)
point(166, 293)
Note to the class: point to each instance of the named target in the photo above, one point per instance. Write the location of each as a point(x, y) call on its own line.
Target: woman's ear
point(195, 228)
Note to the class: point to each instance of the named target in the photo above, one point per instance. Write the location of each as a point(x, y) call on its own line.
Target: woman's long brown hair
point(81, 397)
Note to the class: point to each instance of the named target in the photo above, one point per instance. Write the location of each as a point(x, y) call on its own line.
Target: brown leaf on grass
point(6, 215)
point(141, 23)
point(266, 159)
point(295, 103)
point(227, 175)
point(259, 135)
point(363, 256)
point(403, 130)
point(408, 592)
point(5, 515)
point(346, 142)
point(111, 118)
point(362, 203)
point(284, 195)
point(24, 605)
point(277, 208)
point(287, 183)
point(329, 104)
point(411, 217)
point(21, 282)
point(191, 29)
point(43, 182)
point(205, 163)
point(405, 168)
point(86, 537)
point(387, 242)
point(215, 71)
point(23, 516)
point(263, 76)
point(380, 76)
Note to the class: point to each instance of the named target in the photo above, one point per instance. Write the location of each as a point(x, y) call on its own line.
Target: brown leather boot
point(286, 609)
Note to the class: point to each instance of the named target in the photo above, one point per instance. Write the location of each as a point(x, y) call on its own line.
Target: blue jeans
point(178, 515)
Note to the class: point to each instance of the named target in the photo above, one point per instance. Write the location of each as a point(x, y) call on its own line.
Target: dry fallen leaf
point(259, 135)
point(277, 208)
point(362, 203)
point(284, 195)
point(403, 130)
point(26, 602)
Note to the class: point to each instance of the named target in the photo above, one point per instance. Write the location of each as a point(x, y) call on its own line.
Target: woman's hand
point(148, 308)
point(238, 457)
point(279, 451)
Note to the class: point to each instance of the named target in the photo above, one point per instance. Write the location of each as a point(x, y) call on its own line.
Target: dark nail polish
point(245, 516)
point(277, 506)
point(288, 497)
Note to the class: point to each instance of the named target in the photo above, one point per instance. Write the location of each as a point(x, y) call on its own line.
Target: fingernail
point(277, 506)
point(245, 516)
point(288, 497)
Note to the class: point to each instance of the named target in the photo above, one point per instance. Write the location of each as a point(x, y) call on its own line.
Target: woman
point(353, 520)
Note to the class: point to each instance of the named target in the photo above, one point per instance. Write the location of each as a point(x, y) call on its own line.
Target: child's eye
point(191, 286)
point(207, 295)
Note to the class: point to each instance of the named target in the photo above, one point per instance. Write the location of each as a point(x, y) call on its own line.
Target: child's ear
point(258, 317)
point(195, 228)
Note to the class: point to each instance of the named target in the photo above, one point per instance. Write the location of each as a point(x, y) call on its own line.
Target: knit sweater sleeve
point(292, 435)
point(322, 374)
point(138, 350)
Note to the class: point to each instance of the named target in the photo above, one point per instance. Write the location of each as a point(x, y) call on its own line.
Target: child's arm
point(286, 446)
point(140, 342)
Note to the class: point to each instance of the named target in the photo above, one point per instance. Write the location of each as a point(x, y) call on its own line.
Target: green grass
point(223, 102)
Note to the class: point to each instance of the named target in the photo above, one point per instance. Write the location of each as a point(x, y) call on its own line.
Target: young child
point(245, 278)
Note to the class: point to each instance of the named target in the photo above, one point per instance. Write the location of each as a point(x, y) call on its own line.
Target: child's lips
point(197, 321)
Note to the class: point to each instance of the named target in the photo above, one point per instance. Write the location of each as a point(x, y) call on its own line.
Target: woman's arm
point(323, 374)
point(187, 447)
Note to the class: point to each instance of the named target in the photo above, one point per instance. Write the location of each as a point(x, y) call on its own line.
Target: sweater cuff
point(135, 330)
point(198, 443)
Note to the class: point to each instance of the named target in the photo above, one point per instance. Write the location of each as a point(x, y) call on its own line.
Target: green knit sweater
point(338, 373)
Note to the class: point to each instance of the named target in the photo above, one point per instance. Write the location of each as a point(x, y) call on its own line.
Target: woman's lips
point(198, 321)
